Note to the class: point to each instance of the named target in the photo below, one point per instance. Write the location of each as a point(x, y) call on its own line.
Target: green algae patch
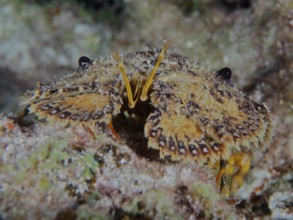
point(93, 197)
point(152, 203)
point(210, 199)
point(84, 212)
point(44, 183)
point(90, 164)
point(51, 155)
point(205, 190)
point(45, 156)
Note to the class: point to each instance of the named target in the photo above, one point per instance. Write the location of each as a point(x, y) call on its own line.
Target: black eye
point(225, 73)
point(84, 61)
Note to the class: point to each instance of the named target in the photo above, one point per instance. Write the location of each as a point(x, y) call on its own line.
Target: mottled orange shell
point(196, 114)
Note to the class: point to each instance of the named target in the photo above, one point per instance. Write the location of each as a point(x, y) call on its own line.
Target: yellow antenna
point(148, 83)
point(137, 89)
point(145, 89)
point(131, 102)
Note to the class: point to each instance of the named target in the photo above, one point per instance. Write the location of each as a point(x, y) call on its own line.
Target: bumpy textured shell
point(197, 115)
